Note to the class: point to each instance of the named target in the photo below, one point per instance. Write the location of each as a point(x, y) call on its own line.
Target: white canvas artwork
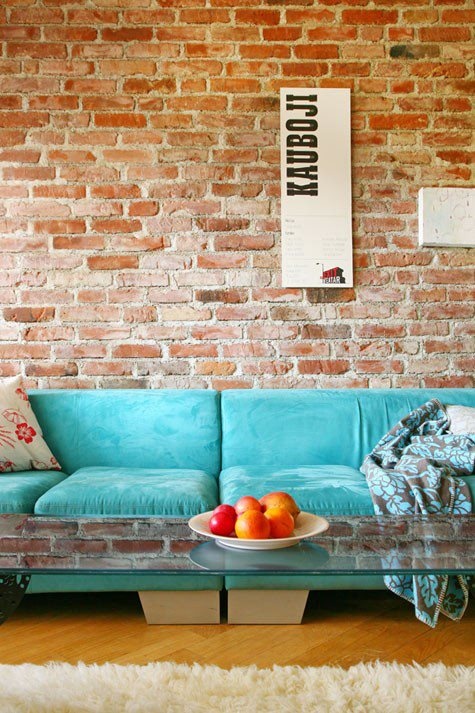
point(447, 217)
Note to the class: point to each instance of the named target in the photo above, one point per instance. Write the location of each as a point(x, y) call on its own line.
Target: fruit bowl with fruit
point(272, 522)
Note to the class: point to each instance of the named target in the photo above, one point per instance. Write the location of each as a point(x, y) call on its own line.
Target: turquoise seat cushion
point(20, 490)
point(321, 489)
point(131, 491)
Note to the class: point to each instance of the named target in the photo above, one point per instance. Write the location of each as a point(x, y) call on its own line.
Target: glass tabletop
point(139, 546)
point(308, 558)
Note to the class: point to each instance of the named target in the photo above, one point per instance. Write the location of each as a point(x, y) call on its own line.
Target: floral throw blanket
point(414, 469)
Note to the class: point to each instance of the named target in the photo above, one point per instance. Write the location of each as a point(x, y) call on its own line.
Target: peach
point(280, 499)
point(247, 502)
point(252, 525)
point(281, 522)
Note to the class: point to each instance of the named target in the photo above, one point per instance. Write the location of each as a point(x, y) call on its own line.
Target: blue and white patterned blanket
point(414, 469)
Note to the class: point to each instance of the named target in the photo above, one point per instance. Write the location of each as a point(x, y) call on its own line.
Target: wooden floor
point(339, 628)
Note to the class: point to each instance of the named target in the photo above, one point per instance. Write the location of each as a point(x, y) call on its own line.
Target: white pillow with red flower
point(22, 446)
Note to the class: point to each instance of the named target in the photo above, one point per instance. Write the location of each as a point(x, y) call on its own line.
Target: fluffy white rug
point(178, 688)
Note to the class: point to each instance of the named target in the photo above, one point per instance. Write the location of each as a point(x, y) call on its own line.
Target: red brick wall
point(139, 192)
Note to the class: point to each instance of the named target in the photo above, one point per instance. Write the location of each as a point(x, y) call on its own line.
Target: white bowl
point(307, 525)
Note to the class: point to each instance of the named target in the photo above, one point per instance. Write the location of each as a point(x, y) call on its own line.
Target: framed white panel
point(447, 217)
point(316, 188)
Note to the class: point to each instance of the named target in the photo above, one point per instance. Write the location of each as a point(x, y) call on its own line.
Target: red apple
point(225, 508)
point(222, 523)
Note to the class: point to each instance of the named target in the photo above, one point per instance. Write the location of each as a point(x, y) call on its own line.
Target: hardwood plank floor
point(339, 628)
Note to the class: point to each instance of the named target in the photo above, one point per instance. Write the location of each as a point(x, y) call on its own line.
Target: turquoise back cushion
point(281, 428)
point(156, 428)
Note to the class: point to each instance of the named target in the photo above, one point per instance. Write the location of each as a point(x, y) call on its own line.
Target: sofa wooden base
point(181, 607)
point(262, 606)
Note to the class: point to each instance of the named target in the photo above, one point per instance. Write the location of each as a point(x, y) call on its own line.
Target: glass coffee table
point(143, 546)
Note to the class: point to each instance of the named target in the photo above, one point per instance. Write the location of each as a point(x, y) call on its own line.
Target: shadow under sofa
point(173, 453)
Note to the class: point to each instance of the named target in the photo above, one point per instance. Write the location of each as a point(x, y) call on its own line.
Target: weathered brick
point(243, 242)
point(112, 262)
point(370, 17)
point(444, 34)
point(120, 120)
point(140, 170)
point(398, 121)
point(182, 351)
point(29, 314)
point(140, 351)
point(323, 366)
point(215, 368)
point(222, 295)
point(258, 17)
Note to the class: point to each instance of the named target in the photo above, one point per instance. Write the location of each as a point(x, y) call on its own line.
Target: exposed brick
point(140, 351)
point(60, 226)
point(316, 331)
point(112, 262)
point(127, 34)
point(29, 314)
point(398, 121)
point(414, 51)
point(193, 350)
point(369, 17)
point(222, 384)
point(323, 366)
point(258, 17)
point(215, 368)
point(444, 34)
point(321, 295)
point(20, 156)
point(137, 546)
point(229, 296)
point(30, 119)
point(49, 370)
point(36, 49)
point(304, 69)
point(450, 276)
point(243, 242)
point(140, 187)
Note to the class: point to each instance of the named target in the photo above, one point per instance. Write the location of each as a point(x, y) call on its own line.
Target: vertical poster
point(316, 188)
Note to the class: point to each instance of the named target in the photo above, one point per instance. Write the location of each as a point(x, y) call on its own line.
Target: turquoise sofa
point(176, 453)
point(124, 453)
point(311, 444)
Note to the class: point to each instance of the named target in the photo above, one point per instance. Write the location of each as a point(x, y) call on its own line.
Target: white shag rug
point(179, 688)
